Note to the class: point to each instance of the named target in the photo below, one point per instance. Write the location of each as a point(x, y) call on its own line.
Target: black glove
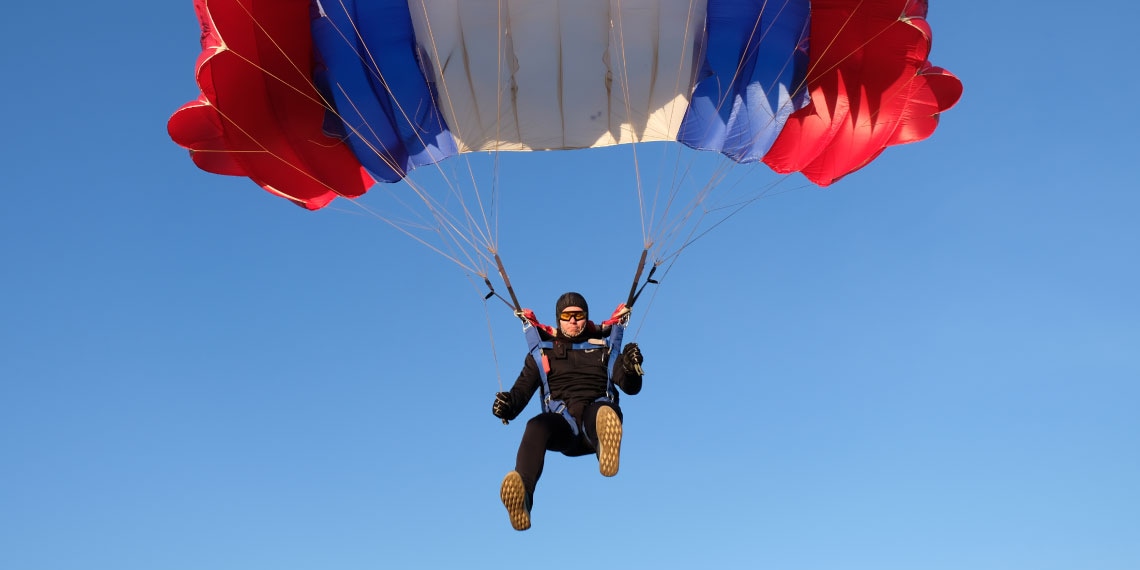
point(631, 358)
point(502, 407)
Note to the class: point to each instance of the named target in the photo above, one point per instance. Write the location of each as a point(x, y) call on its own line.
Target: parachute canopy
point(316, 99)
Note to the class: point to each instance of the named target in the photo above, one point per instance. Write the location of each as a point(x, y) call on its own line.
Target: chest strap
point(536, 346)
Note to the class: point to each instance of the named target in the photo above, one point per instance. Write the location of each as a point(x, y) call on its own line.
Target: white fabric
point(567, 93)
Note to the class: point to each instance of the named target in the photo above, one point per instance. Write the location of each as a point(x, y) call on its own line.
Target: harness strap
point(536, 345)
point(617, 331)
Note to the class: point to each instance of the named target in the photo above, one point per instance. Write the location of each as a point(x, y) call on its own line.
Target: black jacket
point(577, 377)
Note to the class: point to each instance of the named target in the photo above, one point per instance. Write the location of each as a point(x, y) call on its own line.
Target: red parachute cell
point(259, 114)
point(871, 87)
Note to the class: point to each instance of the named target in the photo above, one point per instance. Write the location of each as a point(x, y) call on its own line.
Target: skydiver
point(589, 421)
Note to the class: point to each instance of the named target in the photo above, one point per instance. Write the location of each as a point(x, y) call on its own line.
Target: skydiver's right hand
point(502, 407)
point(631, 359)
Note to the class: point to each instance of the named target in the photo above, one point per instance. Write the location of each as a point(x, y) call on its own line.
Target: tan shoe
point(516, 500)
point(609, 441)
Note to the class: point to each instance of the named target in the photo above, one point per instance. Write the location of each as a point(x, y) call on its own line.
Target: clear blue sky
point(933, 364)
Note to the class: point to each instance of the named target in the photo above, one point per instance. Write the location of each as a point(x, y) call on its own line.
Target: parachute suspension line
point(265, 151)
point(490, 333)
point(491, 237)
point(438, 211)
point(633, 142)
point(325, 103)
point(281, 51)
point(686, 40)
point(517, 311)
point(660, 237)
point(653, 297)
point(684, 219)
point(267, 73)
point(678, 175)
point(735, 209)
point(491, 338)
point(692, 217)
point(448, 226)
point(819, 53)
point(494, 349)
point(369, 60)
point(869, 39)
point(634, 291)
point(499, 53)
point(670, 230)
point(831, 42)
point(402, 227)
point(487, 315)
point(789, 61)
point(748, 54)
point(443, 225)
point(668, 235)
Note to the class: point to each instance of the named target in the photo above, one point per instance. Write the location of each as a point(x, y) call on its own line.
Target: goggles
point(572, 316)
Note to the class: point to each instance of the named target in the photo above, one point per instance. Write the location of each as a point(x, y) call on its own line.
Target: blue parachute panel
point(752, 77)
point(381, 96)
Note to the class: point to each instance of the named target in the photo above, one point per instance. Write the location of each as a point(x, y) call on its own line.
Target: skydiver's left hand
point(502, 407)
point(631, 358)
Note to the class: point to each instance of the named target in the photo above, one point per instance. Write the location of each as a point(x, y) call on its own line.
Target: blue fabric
point(752, 77)
point(617, 331)
point(535, 345)
point(389, 139)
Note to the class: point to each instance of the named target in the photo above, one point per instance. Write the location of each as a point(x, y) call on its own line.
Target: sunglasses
point(572, 315)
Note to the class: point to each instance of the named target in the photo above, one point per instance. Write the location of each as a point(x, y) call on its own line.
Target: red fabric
point(533, 320)
point(871, 87)
point(619, 313)
point(259, 114)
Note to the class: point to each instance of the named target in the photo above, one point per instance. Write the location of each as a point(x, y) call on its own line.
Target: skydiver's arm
point(525, 386)
point(629, 382)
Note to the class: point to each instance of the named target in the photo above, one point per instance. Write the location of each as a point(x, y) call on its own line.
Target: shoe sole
point(513, 494)
point(609, 441)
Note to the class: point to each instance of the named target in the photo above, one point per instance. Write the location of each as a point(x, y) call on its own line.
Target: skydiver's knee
point(542, 425)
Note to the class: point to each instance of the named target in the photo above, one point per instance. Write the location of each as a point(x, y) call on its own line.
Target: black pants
point(550, 431)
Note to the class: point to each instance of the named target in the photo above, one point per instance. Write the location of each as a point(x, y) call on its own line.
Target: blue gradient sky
point(933, 364)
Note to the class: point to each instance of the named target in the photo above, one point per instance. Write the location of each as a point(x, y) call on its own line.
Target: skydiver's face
point(572, 321)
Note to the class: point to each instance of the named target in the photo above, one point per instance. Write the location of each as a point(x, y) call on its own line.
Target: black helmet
point(570, 299)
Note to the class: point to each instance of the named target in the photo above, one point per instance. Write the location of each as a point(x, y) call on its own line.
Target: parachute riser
point(507, 282)
point(514, 302)
point(634, 291)
point(492, 293)
point(636, 279)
